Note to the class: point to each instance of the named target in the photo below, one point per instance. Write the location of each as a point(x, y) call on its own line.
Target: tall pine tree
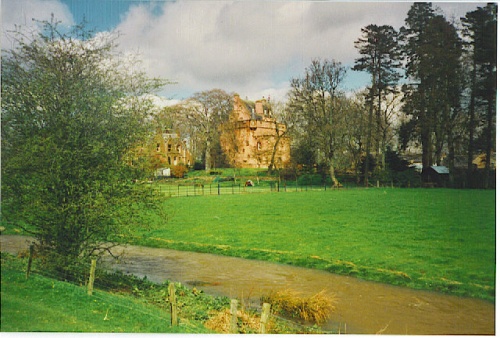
point(416, 94)
point(379, 51)
point(432, 51)
point(480, 28)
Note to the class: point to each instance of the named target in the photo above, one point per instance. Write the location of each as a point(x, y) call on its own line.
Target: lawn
point(436, 239)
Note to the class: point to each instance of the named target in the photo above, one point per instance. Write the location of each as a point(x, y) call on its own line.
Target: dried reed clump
point(221, 322)
point(316, 308)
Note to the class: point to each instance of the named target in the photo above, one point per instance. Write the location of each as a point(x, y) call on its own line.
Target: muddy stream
point(362, 307)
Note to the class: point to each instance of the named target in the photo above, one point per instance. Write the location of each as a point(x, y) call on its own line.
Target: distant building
point(162, 152)
point(173, 149)
point(480, 161)
point(435, 176)
point(252, 137)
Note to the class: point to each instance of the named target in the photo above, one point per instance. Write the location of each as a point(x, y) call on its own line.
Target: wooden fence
point(172, 300)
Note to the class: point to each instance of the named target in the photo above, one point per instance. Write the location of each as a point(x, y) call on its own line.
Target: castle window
point(169, 148)
point(157, 147)
point(259, 146)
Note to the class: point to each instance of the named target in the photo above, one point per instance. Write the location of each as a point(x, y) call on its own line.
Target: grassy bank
point(435, 239)
point(128, 304)
point(44, 304)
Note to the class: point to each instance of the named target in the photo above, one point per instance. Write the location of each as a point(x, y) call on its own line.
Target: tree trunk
point(275, 149)
point(379, 130)
point(426, 148)
point(451, 158)
point(331, 169)
point(489, 132)
point(208, 159)
point(472, 126)
point(369, 136)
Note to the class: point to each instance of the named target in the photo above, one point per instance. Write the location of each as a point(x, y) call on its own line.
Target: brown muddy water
point(362, 307)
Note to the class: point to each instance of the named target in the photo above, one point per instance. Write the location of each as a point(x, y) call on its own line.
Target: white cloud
point(250, 47)
point(25, 13)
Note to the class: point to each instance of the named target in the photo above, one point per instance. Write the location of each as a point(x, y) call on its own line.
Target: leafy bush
point(312, 179)
point(192, 303)
point(179, 171)
point(198, 165)
point(70, 110)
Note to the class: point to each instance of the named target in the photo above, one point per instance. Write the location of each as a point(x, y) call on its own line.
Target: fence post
point(218, 189)
point(30, 260)
point(234, 316)
point(266, 308)
point(90, 286)
point(173, 304)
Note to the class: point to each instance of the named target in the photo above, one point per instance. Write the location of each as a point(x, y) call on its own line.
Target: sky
point(249, 47)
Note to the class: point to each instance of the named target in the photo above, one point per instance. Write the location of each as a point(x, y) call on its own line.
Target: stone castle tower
point(253, 138)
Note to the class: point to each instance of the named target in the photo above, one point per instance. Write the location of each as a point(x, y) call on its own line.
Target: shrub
point(198, 165)
point(179, 171)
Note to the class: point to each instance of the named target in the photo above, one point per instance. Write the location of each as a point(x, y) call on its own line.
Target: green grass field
point(435, 239)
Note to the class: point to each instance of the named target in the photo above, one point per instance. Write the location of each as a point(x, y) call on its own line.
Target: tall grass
point(437, 239)
point(315, 309)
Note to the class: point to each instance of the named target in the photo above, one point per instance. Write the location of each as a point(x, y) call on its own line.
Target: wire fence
point(197, 189)
point(167, 310)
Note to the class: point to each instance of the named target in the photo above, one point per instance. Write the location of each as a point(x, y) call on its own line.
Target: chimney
point(259, 108)
point(236, 98)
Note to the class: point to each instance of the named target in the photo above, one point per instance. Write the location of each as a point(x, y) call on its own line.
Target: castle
point(252, 138)
point(172, 148)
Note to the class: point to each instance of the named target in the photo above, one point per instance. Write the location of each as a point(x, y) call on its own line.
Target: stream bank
point(362, 307)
